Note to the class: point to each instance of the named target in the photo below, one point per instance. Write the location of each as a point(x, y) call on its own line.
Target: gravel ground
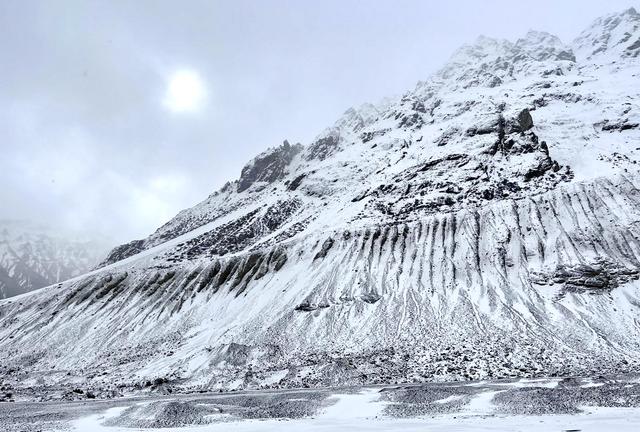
point(496, 398)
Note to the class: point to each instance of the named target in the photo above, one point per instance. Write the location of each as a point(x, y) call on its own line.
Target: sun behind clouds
point(186, 92)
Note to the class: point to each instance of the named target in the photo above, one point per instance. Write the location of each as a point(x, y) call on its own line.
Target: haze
point(116, 115)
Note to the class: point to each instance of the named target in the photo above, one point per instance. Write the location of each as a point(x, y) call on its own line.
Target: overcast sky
point(90, 138)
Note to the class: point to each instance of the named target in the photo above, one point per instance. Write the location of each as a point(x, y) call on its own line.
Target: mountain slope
point(33, 257)
point(485, 223)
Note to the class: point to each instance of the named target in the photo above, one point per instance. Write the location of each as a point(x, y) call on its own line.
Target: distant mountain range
point(33, 256)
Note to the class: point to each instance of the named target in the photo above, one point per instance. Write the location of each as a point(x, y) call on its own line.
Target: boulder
point(525, 121)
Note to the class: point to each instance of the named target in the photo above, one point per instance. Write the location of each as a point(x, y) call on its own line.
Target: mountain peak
point(490, 62)
point(537, 37)
point(483, 47)
point(269, 166)
point(611, 37)
point(543, 46)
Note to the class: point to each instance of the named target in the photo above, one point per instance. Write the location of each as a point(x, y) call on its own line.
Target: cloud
point(85, 140)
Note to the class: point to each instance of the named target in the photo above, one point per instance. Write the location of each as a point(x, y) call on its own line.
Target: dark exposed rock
point(370, 298)
point(208, 275)
point(540, 102)
point(418, 106)
point(476, 178)
point(597, 277)
point(310, 307)
point(525, 121)
point(555, 71)
point(324, 146)
point(619, 126)
point(246, 270)
point(279, 259)
point(110, 285)
point(239, 233)
point(296, 182)
point(368, 136)
point(268, 166)
point(410, 113)
point(123, 251)
point(413, 120)
point(544, 166)
point(473, 131)
point(451, 157)
point(328, 244)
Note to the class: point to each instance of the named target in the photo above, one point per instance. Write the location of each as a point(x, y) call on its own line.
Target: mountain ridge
point(483, 224)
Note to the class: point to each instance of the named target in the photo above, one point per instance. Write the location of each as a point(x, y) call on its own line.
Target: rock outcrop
point(268, 166)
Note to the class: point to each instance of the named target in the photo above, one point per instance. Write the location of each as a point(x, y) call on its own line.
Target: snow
point(448, 399)
point(601, 420)
point(33, 256)
point(481, 404)
point(362, 405)
point(361, 411)
point(449, 246)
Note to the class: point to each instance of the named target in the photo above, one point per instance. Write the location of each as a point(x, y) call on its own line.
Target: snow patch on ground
point(361, 411)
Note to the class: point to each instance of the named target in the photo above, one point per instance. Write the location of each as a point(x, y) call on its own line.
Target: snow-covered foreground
point(620, 419)
point(601, 404)
point(364, 411)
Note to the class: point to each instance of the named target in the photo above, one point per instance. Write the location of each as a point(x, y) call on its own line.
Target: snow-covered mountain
point(484, 224)
point(33, 256)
